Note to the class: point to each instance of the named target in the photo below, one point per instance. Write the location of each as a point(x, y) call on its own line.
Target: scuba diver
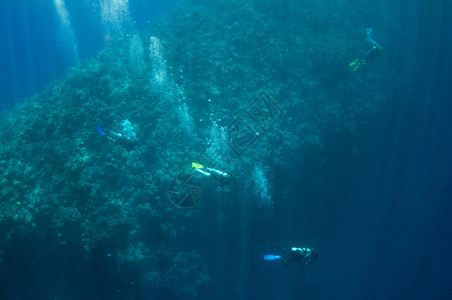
point(302, 256)
point(186, 189)
point(222, 178)
point(127, 138)
point(370, 55)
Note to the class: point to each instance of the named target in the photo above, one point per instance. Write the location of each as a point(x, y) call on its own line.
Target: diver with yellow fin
point(373, 53)
point(223, 178)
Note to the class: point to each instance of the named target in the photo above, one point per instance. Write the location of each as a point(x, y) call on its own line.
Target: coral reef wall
point(71, 186)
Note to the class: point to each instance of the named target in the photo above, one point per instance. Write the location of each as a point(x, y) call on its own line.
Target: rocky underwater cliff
point(91, 165)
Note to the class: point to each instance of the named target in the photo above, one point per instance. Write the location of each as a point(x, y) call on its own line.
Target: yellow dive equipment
point(197, 166)
point(354, 65)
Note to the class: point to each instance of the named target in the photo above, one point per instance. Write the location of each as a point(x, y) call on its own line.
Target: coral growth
point(67, 183)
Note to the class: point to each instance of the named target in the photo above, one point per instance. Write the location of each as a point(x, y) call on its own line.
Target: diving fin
point(354, 65)
point(272, 257)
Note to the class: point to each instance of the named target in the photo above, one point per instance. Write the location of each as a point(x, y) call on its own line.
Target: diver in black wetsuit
point(126, 138)
point(221, 177)
point(370, 55)
point(303, 256)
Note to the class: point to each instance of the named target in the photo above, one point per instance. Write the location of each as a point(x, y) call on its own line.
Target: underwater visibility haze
point(225, 149)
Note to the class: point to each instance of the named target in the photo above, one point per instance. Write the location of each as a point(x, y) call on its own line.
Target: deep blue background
point(379, 219)
point(30, 52)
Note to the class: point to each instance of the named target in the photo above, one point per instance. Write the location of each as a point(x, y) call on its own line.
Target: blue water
point(32, 55)
point(380, 218)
